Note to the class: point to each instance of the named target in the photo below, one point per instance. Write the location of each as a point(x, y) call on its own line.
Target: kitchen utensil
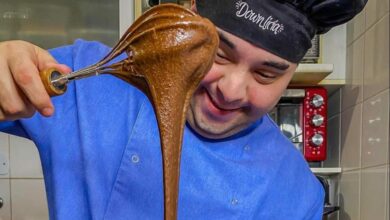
point(169, 49)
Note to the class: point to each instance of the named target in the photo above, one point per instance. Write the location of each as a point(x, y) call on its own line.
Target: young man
point(100, 150)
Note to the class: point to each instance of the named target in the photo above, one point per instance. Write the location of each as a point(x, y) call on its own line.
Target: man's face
point(244, 83)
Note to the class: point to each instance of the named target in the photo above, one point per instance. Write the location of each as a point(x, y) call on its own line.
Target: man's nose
point(233, 87)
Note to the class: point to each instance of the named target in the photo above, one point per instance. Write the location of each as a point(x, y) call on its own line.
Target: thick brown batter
point(169, 50)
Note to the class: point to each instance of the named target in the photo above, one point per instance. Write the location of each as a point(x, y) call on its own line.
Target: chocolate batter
point(169, 50)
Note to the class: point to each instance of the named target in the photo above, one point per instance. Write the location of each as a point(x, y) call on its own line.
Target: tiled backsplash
point(373, 193)
point(349, 197)
point(364, 141)
point(376, 58)
point(21, 187)
point(375, 132)
point(24, 159)
point(28, 199)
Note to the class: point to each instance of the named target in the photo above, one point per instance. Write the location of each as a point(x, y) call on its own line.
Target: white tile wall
point(350, 196)
point(375, 143)
point(373, 187)
point(5, 195)
point(28, 199)
point(24, 197)
point(4, 156)
point(376, 58)
point(24, 159)
point(376, 9)
point(351, 137)
point(352, 92)
point(369, 37)
point(356, 27)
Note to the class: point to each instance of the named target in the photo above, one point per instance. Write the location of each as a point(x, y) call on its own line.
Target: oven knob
point(317, 120)
point(317, 140)
point(317, 101)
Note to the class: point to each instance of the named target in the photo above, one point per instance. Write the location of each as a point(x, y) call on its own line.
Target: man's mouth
point(215, 108)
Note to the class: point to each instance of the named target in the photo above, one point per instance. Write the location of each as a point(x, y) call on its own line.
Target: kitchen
point(353, 66)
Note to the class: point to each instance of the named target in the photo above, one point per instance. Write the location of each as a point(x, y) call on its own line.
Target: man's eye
point(221, 58)
point(265, 75)
point(264, 78)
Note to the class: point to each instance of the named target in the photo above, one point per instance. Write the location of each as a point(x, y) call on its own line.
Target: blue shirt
point(101, 158)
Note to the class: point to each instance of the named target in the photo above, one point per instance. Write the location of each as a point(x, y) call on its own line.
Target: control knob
point(317, 101)
point(317, 120)
point(317, 140)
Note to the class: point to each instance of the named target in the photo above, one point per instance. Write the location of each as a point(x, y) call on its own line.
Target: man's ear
point(193, 6)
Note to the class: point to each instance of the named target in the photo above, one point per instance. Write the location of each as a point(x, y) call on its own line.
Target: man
point(100, 149)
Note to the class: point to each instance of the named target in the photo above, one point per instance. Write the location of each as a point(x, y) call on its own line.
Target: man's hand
point(21, 89)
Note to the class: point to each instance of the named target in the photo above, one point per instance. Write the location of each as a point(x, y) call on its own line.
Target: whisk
point(169, 49)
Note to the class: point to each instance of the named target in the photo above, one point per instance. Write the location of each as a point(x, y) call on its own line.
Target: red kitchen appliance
point(301, 115)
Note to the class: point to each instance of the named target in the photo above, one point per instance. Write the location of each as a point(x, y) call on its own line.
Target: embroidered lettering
point(265, 23)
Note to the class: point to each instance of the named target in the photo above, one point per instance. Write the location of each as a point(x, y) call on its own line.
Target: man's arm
point(21, 90)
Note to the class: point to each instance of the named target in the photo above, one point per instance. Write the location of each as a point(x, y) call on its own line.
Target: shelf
point(332, 85)
point(310, 74)
point(315, 75)
point(326, 171)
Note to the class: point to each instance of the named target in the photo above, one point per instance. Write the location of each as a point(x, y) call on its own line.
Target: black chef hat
point(282, 27)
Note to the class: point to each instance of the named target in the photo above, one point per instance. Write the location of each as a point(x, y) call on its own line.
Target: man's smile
point(216, 110)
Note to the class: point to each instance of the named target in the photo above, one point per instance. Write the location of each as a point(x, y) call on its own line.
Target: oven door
point(288, 116)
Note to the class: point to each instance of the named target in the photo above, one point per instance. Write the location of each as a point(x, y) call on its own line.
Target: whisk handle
point(47, 76)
